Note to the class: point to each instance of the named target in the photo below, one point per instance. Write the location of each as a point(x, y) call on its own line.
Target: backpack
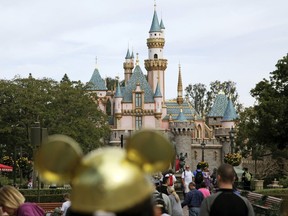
point(198, 177)
point(158, 200)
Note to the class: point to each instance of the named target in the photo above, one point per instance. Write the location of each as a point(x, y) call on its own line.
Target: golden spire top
point(179, 87)
point(137, 58)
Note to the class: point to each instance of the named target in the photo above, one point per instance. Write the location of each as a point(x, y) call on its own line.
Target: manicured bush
point(45, 195)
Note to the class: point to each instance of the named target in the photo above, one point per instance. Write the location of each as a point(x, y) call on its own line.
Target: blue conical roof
point(97, 82)
point(132, 55)
point(219, 106)
point(230, 112)
point(162, 24)
point(118, 93)
point(157, 91)
point(181, 117)
point(128, 54)
point(155, 27)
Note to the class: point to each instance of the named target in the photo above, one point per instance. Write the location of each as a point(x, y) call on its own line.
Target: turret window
point(138, 100)
point(155, 56)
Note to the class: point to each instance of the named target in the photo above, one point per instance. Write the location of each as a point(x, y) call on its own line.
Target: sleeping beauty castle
point(141, 103)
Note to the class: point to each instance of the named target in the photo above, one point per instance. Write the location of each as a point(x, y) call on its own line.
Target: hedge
point(45, 195)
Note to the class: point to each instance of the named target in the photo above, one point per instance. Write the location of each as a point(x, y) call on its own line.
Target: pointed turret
point(128, 54)
point(179, 88)
point(128, 65)
point(155, 27)
point(118, 93)
point(230, 112)
point(162, 24)
point(181, 117)
point(97, 82)
point(118, 102)
point(157, 91)
point(158, 102)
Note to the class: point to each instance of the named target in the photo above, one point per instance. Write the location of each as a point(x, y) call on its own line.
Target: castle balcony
point(222, 132)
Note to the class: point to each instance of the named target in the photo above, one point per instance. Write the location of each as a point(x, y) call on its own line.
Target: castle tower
point(158, 105)
point(156, 64)
point(128, 66)
point(98, 85)
point(179, 88)
point(182, 130)
point(118, 97)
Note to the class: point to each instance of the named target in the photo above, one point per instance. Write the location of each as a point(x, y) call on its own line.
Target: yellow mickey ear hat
point(109, 179)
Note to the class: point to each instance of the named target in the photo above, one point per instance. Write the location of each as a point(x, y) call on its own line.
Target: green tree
point(202, 98)
point(272, 107)
point(262, 129)
point(63, 107)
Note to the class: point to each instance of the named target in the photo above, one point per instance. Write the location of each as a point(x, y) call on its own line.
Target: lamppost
point(203, 144)
point(232, 137)
point(38, 135)
point(123, 137)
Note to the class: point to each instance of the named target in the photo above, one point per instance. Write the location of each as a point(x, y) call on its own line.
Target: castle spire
point(155, 26)
point(179, 88)
point(137, 58)
point(96, 62)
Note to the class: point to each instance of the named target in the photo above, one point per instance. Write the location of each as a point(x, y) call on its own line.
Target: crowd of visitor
point(204, 194)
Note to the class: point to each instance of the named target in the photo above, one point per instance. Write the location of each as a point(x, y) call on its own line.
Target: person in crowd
point(225, 201)
point(246, 179)
point(187, 177)
point(175, 202)
point(160, 208)
point(204, 190)
point(159, 195)
point(171, 177)
point(193, 200)
point(206, 177)
point(213, 178)
point(13, 203)
point(162, 188)
point(66, 204)
point(198, 176)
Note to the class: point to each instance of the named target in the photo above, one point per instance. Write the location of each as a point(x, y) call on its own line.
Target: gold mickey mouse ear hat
point(109, 179)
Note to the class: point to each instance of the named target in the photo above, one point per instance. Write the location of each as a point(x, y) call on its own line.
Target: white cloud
point(213, 39)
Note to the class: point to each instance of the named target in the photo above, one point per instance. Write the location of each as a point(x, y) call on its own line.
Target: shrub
point(45, 195)
point(284, 182)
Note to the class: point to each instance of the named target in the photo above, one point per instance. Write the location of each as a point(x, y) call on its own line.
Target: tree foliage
point(272, 107)
point(202, 98)
point(262, 129)
point(65, 107)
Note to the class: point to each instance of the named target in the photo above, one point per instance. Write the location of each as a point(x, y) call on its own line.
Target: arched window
point(155, 56)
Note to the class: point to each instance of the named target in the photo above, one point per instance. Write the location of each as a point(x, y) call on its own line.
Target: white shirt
point(187, 175)
point(65, 206)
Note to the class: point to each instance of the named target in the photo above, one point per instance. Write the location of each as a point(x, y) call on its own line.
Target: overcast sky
point(238, 40)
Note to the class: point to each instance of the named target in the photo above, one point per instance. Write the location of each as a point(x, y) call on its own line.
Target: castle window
point(155, 56)
point(138, 100)
point(155, 34)
point(138, 122)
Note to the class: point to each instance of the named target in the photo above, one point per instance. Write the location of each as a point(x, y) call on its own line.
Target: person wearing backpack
point(162, 199)
point(198, 176)
point(246, 179)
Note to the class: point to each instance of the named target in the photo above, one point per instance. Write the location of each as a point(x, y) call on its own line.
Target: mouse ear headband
point(109, 179)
